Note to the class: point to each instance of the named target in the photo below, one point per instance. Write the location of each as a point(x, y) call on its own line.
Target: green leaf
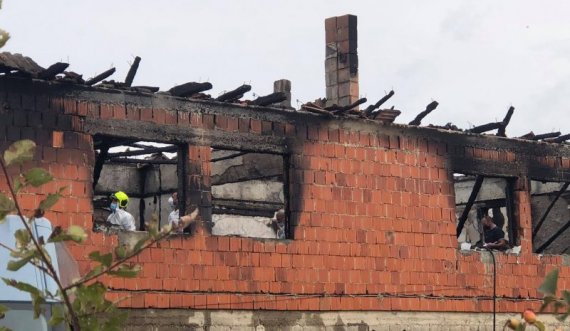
point(94, 271)
point(539, 325)
point(76, 233)
point(547, 300)
point(57, 316)
point(3, 310)
point(566, 297)
point(22, 150)
point(125, 271)
point(138, 246)
point(121, 252)
point(6, 206)
point(17, 183)
point(37, 177)
point(37, 296)
point(73, 233)
point(16, 265)
point(23, 238)
point(549, 285)
point(51, 200)
point(4, 37)
point(105, 259)
point(521, 327)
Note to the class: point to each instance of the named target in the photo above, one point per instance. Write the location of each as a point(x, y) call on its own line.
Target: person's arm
point(499, 244)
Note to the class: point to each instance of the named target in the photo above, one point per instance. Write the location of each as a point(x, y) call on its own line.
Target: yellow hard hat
point(122, 197)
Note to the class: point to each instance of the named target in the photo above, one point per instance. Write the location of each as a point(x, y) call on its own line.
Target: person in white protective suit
point(174, 216)
point(119, 216)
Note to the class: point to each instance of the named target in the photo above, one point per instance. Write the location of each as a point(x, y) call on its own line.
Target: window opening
point(550, 210)
point(485, 213)
point(147, 172)
point(249, 196)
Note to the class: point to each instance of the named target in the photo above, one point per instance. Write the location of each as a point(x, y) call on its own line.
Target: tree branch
point(74, 319)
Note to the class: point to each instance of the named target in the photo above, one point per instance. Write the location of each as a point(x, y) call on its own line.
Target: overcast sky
point(476, 58)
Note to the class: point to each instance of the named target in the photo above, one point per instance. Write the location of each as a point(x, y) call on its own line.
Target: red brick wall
point(373, 219)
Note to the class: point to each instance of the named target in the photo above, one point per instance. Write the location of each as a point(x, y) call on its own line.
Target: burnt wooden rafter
point(500, 126)
point(559, 139)
point(370, 109)
point(100, 77)
point(429, 108)
point(190, 88)
point(234, 95)
point(132, 71)
point(269, 99)
point(336, 109)
point(53, 70)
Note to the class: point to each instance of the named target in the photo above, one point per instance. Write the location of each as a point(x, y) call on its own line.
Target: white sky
point(475, 58)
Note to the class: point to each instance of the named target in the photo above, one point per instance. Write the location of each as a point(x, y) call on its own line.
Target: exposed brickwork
point(341, 63)
point(372, 214)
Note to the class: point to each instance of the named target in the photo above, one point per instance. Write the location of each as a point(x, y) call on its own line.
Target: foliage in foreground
point(83, 303)
point(560, 306)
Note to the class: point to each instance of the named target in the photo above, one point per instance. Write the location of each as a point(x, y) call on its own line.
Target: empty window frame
point(148, 172)
point(249, 194)
point(550, 209)
point(478, 197)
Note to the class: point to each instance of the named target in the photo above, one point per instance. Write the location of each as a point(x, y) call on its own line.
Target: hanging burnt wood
point(186, 90)
point(543, 218)
point(341, 109)
point(269, 99)
point(53, 70)
point(234, 94)
point(132, 71)
point(429, 108)
point(470, 202)
point(100, 77)
point(553, 237)
point(368, 111)
point(145, 151)
point(99, 162)
point(502, 130)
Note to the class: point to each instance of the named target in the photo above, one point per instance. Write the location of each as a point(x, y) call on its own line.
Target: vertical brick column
point(341, 63)
point(198, 193)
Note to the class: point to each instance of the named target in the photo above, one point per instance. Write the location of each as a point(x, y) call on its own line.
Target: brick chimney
point(341, 63)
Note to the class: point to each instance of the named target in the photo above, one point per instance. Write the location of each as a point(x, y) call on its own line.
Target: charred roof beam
point(429, 108)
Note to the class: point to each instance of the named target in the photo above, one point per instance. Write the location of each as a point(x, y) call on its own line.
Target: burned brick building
point(373, 208)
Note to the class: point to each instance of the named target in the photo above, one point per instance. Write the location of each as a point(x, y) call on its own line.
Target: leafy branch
point(84, 303)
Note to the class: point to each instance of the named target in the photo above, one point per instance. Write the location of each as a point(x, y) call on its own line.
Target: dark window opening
point(484, 209)
point(550, 209)
point(249, 194)
point(147, 172)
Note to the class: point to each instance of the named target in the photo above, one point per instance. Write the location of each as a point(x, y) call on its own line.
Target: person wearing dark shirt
point(494, 236)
